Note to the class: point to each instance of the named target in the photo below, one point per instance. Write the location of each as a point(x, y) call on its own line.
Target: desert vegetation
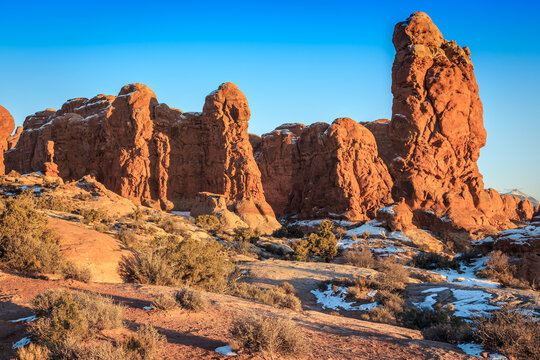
point(69, 323)
point(269, 335)
point(322, 244)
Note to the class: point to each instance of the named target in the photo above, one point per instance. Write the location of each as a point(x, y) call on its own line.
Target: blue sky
point(296, 62)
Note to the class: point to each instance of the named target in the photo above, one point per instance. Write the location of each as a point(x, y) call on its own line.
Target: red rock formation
point(437, 131)
point(49, 167)
point(324, 170)
point(7, 124)
point(13, 139)
point(149, 152)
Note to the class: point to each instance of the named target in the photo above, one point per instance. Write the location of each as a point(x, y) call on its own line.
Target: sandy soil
point(196, 335)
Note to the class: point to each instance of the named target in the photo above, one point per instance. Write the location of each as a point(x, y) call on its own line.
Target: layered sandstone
point(151, 153)
point(7, 124)
point(324, 170)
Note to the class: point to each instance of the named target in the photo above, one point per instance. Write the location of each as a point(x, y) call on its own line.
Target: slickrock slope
point(437, 131)
point(324, 170)
point(148, 152)
point(7, 124)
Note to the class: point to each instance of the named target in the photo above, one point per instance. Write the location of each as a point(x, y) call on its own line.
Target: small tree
point(322, 243)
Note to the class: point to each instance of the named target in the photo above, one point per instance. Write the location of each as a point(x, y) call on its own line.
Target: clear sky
point(303, 61)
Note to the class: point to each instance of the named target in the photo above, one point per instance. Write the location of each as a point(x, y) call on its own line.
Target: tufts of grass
point(268, 334)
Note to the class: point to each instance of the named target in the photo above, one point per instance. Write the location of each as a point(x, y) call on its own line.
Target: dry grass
point(79, 273)
point(268, 334)
point(191, 299)
point(279, 296)
point(66, 315)
point(164, 302)
point(510, 332)
point(361, 259)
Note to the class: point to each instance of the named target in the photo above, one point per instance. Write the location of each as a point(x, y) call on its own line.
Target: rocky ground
point(331, 321)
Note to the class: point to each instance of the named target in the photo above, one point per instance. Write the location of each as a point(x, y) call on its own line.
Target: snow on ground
point(466, 276)
point(225, 350)
point(429, 300)
point(468, 303)
point(336, 300)
point(22, 343)
point(25, 319)
point(182, 213)
point(477, 350)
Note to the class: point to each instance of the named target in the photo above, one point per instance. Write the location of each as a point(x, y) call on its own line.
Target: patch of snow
point(401, 116)
point(335, 300)
point(225, 350)
point(388, 210)
point(372, 293)
point(477, 350)
point(22, 343)
point(467, 304)
point(429, 301)
point(181, 213)
point(471, 302)
point(467, 274)
point(147, 307)
point(25, 319)
point(472, 349)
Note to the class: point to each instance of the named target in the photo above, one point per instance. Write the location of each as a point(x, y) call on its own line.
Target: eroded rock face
point(7, 124)
point(151, 153)
point(437, 131)
point(324, 170)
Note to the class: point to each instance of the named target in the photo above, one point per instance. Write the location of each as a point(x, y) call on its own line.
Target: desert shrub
point(101, 311)
point(102, 228)
point(170, 260)
point(65, 314)
point(380, 314)
point(127, 237)
point(439, 323)
point(33, 352)
point(164, 301)
point(146, 343)
point(191, 299)
point(392, 275)
point(288, 231)
point(498, 268)
point(288, 288)
point(71, 349)
point(208, 222)
point(365, 235)
point(26, 243)
point(246, 235)
point(512, 332)
point(389, 300)
point(362, 259)
point(55, 203)
point(173, 225)
point(83, 196)
point(65, 319)
point(280, 296)
point(322, 243)
point(268, 334)
point(79, 273)
point(137, 215)
point(147, 267)
point(51, 182)
point(93, 216)
point(243, 248)
point(432, 260)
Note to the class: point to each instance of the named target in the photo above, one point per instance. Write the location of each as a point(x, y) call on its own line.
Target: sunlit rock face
point(151, 153)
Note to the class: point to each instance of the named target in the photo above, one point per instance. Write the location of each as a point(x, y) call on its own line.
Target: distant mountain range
point(522, 195)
